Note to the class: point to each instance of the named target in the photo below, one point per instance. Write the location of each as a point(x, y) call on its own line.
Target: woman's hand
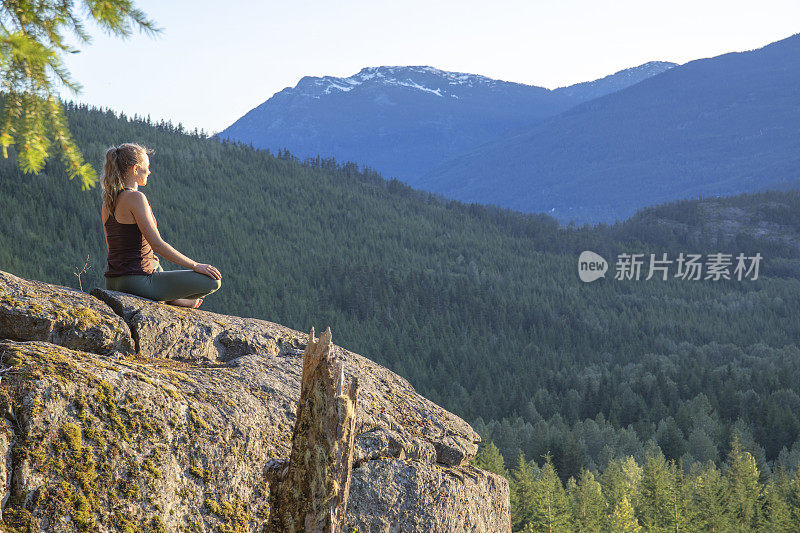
point(208, 270)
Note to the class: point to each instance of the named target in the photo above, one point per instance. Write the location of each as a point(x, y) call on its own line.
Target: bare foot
point(187, 302)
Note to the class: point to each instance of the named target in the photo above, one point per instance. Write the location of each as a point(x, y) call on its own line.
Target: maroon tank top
point(128, 250)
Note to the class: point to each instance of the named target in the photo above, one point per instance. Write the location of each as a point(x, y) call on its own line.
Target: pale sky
point(215, 61)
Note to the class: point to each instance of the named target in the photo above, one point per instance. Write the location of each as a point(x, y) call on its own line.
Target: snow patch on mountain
point(442, 83)
point(426, 79)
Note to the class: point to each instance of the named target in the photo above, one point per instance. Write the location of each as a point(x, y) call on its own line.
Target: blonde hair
point(119, 160)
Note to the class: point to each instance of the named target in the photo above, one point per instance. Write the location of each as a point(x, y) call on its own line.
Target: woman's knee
point(211, 284)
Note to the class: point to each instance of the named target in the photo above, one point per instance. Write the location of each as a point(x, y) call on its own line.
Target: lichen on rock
point(32, 310)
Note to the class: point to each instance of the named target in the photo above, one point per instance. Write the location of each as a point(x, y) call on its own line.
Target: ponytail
point(119, 161)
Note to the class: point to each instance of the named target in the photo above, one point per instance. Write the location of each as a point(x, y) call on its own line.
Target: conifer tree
point(793, 497)
point(743, 488)
point(623, 519)
point(32, 41)
point(522, 493)
point(550, 509)
point(776, 515)
point(681, 494)
point(632, 477)
point(621, 478)
point(708, 505)
point(490, 459)
point(656, 509)
point(587, 503)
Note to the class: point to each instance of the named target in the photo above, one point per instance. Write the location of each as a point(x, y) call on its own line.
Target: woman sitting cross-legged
point(132, 237)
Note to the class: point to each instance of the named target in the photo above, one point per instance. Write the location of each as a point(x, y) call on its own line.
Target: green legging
point(165, 286)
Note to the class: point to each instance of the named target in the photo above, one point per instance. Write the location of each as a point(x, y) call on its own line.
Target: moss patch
point(197, 421)
point(200, 473)
point(17, 520)
point(150, 467)
point(75, 459)
point(157, 525)
point(72, 436)
point(234, 514)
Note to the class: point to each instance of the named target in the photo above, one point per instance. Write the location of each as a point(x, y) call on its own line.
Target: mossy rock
point(32, 310)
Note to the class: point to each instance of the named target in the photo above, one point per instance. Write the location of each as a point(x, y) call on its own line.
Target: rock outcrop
point(123, 414)
point(32, 310)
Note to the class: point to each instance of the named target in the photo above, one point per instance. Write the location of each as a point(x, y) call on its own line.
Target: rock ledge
point(123, 414)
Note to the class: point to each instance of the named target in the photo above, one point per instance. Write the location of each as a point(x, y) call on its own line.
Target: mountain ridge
point(617, 81)
point(386, 75)
point(402, 121)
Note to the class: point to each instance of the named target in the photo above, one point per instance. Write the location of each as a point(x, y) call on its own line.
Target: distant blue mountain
point(402, 121)
point(718, 126)
point(612, 83)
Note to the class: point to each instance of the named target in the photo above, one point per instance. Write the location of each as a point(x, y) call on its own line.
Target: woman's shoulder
point(130, 193)
point(137, 204)
point(129, 197)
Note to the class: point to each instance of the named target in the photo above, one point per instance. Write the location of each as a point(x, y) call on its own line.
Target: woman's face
point(142, 171)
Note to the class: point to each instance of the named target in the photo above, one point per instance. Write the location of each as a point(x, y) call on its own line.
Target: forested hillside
point(480, 308)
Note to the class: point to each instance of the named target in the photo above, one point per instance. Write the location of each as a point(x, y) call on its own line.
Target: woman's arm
point(143, 214)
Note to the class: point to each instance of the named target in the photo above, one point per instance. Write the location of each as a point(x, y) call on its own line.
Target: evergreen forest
point(655, 495)
point(673, 386)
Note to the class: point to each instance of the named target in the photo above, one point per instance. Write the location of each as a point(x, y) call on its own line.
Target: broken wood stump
point(313, 493)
